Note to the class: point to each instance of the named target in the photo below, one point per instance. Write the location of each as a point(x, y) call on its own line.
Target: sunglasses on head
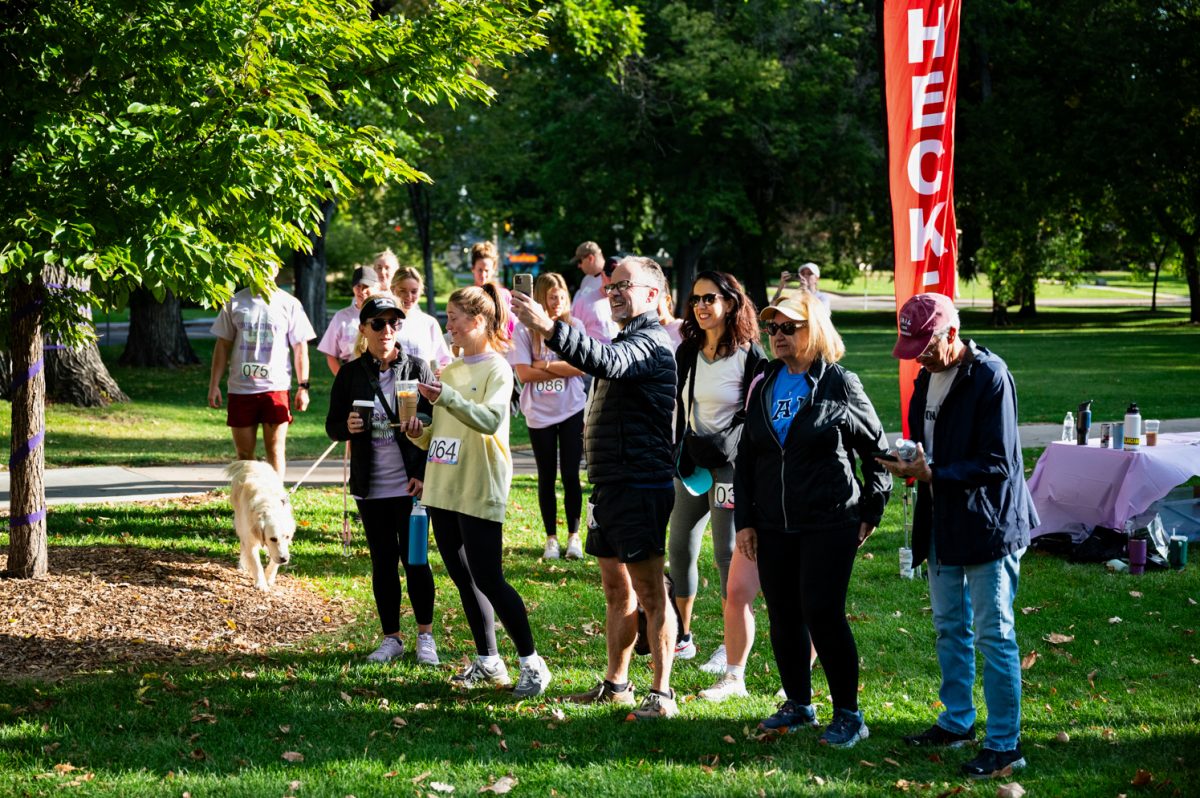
point(703, 299)
point(787, 328)
point(378, 324)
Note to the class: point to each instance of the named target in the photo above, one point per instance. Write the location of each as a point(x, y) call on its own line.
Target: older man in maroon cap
point(972, 521)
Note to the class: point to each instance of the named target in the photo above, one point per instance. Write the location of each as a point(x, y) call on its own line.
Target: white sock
point(533, 660)
point(736, 670)
point(490, 660)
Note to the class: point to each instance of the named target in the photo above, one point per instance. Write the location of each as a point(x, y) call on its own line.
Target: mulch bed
point(117, 606)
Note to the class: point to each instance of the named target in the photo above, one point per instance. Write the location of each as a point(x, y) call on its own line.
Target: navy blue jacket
point(979, 508)
point(807, 483)
point(628, 437)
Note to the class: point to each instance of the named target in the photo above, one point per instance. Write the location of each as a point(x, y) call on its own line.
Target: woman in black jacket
point(802, 512)
point(386, 472)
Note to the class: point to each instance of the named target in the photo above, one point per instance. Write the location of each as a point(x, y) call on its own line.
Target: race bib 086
point(444, 450)
point(723, 495)
point(557, 385)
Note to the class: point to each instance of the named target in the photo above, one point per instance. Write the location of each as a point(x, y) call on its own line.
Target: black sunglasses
point(378, 324)
point(787, 328)
point(703, 299)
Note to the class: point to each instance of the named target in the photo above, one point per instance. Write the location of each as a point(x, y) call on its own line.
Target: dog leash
point(312, 468)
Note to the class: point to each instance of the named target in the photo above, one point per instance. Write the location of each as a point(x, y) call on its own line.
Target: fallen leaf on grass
point(951, 791)
point(865, 763)
point(1029, 659)
point(1135, 594)
point(284, 729)
point(345, 697)
point(891, 761)
point(422, 777)
point(1030, 610)
point(820, 781)
point(1141, 778)
point(1092, 678)
point(292, 756)
point(728, 738)
point(199, 754)
point(439, 786)
point(1058, 638)
point(293, 786)
point(399, 722)
point(494, 729)
point(1010, 790)
point(1115, 619)
point(503, 745)
point(1062, 737)
point(1192, 602)
point(500, 786)
point(64, 767)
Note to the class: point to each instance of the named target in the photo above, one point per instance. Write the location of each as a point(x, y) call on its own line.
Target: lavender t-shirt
point(421, 337)
point(263, 332)
point(341, 334)
point(546, 402)
point(388, 477)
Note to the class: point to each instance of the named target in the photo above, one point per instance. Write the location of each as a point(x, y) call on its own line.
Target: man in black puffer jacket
point(628, 441)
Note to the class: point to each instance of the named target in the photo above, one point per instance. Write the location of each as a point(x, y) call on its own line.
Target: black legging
point(560, 443)
point(804, 579)
point(472, 549)
point(385, 522)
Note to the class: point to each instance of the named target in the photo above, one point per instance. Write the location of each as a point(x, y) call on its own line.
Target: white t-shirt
point(547, 402)
point(939, 386)
point(341, 334)
point(718, 391)
point(421, 337)
point(263, 332)
point(388, 476)
point(591, 307)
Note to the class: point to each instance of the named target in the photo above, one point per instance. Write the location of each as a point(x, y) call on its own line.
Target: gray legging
point(688, 519)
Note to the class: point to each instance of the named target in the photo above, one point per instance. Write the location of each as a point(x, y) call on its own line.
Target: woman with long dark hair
point(716, 362)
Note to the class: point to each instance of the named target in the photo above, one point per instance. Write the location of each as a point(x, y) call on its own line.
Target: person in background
point(666, 315)
point(255, 335)
point(338, 342)
point(972, 521)
point(467, 481)
point(591, 303)
point(386, 263)
point(552, 399)
point(630, 464)
point(485, 269)
point(386, 472)
point(808, 277)
point(716, 362)
point(802, 512)
point(421, 336)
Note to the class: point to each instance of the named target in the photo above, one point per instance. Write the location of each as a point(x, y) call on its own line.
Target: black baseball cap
point(377, 306)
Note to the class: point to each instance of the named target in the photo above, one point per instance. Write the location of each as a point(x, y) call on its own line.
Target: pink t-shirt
point(263, 332)
point(546, 402)
point(591, 307)
point(421, 337)
point(341, 335)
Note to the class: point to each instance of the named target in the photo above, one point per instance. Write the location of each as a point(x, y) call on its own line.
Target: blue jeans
point(981, 596)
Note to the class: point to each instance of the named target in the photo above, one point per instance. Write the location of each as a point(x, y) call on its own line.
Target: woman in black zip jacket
point(386, 472)
point(802, 512)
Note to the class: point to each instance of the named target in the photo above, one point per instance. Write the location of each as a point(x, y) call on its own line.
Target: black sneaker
point(937, 737)
point(990, 762)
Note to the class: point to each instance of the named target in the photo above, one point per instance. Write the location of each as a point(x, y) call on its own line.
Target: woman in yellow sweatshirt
point(467, 477)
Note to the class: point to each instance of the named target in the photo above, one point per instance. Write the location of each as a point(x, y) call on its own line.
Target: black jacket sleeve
point(866, 436)
point(628, 358)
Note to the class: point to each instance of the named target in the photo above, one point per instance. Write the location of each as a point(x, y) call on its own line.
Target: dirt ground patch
point(105, 606)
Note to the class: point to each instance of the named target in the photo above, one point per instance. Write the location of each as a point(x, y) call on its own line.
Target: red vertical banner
point(920, 55)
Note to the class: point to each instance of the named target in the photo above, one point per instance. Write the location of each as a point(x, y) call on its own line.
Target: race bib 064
point(444, 450)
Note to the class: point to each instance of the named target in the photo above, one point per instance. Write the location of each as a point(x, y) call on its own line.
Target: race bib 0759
point(723, 495)
point(444, 450)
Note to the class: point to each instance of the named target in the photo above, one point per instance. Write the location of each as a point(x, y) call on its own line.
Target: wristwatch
point(305, 385)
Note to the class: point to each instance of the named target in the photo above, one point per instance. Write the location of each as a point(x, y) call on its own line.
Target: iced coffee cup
point(406, 399)
point(1152, 432)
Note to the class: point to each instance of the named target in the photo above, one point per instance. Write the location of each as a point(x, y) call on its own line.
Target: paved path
point(100, 484)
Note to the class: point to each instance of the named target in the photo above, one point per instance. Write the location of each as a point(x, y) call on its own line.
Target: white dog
point(262, 516)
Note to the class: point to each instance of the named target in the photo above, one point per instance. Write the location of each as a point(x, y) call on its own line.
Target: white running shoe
point(686, 649)
point(477, 674)
point(551, 550)
point(391, 648)
point(574, 547)
point(727, 686)
point(532, 680)
point(427, 650)
point(716, 663)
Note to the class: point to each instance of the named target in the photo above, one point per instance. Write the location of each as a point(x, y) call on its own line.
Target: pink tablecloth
point(1078, 487)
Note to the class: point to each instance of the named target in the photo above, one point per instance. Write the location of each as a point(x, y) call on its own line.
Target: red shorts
point(252, 409)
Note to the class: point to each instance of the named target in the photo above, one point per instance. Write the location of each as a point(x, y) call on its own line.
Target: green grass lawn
point(1060, 358)
point(1119, 285)
point(1123, 693)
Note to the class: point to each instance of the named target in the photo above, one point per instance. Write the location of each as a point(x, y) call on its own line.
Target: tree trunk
point(418, 200)
point(310, 270)
point(27, 455)
point(1191, 270)
point(157, 337)
point(999, 312)
point(78, 376)
point(687, 263)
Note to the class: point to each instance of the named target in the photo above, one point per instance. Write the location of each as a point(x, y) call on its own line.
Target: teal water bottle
point(418, 535)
